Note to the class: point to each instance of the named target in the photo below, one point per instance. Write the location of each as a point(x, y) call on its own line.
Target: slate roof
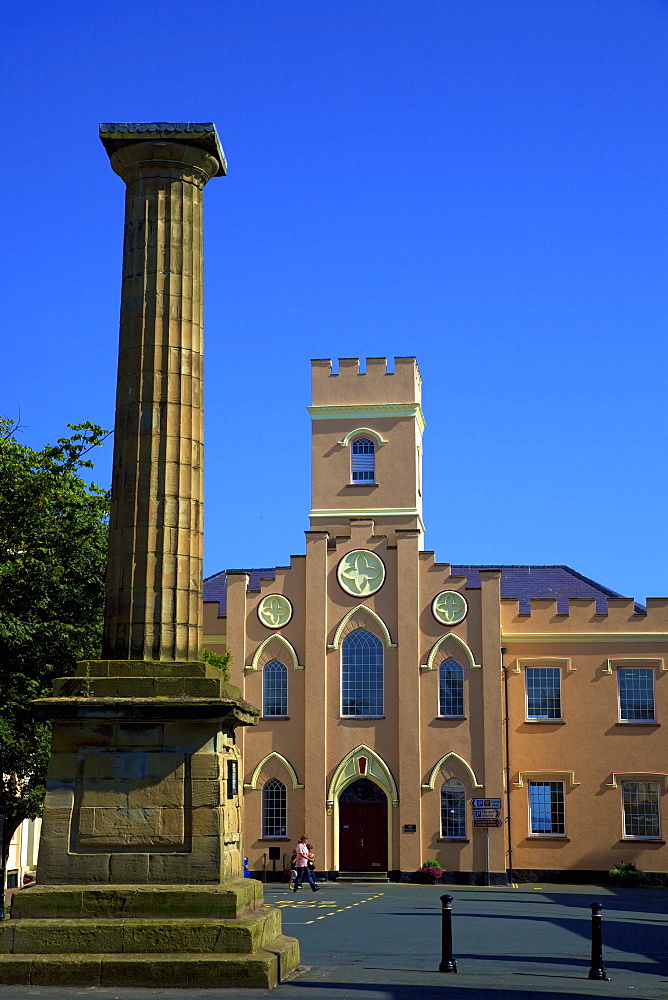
point(215, 587)
point(519, 583)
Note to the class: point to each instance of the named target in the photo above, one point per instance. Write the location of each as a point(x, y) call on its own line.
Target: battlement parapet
point(350, 387)
point(586, 615)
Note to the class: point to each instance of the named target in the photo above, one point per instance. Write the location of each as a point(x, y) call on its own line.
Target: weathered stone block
point(126, 826)
point(138, 735)
point(104, 794)
point(7, 937)
point(85, 821)
point(58, 822)
point(198, 737)
point(207, 822)
point(165, 793)
point(143, 970)
point(55, 937)
point(59, 795)
point(206, 793)
point(70, 869)
point(58, 971)
point(172, 825)
point(62, 767)
point(15, 970)
point(128, 869)
point(205, 766)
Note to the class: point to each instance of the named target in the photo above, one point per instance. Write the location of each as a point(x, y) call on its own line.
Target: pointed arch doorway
point(362, 762)
point(363, 827)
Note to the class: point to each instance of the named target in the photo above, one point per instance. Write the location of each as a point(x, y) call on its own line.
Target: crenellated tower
point(366, 444)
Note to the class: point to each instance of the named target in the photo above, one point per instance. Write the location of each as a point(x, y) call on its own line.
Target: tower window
point(451, 689)
point(361, 674)
point(275, 694)
point(363, 461)
point(453, 809)
point(274, 809)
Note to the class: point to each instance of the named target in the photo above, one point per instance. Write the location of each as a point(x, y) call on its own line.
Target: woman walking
point(303, 870)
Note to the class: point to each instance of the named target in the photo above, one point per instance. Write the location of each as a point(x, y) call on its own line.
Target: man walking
point(303, 869)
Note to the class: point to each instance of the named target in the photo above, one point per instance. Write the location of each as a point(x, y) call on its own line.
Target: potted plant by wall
point(431, 873)
point(627, 873)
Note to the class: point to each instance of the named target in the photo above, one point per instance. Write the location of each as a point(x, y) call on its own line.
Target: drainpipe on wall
point(507, 768)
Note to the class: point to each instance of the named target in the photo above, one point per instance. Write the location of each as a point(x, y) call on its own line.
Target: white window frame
point(551, 832)
point(542, 718)
point(363, 482)
point(373, 715)
point(648, 670)
point(657, 792)
point(452, 782)
point(275, 836)
point(284, 715)
point(459, 715)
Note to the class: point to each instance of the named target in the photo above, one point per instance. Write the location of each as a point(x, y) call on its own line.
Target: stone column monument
point(139, 875)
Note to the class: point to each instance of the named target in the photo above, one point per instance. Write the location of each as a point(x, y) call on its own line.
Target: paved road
point(383, 943)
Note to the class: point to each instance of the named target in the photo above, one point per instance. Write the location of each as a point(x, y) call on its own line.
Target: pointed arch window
point(275, 689)
point(451, 689)
point(361, 674)
point(453, 809)
point(363, 460)
point(274, 809)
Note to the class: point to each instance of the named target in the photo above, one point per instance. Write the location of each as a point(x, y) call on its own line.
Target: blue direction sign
point(486, 803)
point(486, 813)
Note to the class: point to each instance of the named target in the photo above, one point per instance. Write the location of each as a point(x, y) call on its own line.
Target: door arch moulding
point(346, 773)
point(470, 659)
point(279, 758)
point(280, 640)
point(451, 755)
point(362, 609)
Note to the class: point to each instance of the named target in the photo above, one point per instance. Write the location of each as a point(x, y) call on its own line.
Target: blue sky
point(480, 183)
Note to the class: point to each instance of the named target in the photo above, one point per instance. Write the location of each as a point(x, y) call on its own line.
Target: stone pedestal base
point(152, 936)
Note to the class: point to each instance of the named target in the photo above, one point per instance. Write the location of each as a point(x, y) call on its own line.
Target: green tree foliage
point(53, 531)
point(216, 660)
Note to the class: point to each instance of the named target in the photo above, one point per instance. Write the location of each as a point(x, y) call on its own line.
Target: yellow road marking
point(305, 904)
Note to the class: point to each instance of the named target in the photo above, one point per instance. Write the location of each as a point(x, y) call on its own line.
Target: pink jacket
point(302, 856)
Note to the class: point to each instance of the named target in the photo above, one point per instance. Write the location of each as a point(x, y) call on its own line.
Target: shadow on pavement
point(449, 991)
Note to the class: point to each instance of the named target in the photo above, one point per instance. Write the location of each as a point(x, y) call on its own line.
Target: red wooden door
point(363, 829)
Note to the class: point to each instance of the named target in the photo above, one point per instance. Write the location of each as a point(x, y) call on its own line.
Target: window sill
point(368, 485)
point(638, 722)
point(451, 718)
point(549, 836)
point(453, 840)
point(274, 718)
point(276, 839)
point(545, 722)
point(641, 840)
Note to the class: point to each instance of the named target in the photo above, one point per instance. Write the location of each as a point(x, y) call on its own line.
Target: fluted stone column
point(154, 573)
point(140, 862)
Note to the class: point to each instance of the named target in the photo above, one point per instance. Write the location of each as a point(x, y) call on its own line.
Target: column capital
point(201, 135)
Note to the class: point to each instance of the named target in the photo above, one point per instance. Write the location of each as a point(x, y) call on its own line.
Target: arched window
point(453, 809)
point(361, 674)
point(274, 809)
point(363, 460)
point(275, 689)
point(450, 689)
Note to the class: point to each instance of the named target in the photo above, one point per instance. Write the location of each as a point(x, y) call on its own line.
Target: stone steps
point(263, 969)
point(362, 877)
point(150, 936)
point(140, 935)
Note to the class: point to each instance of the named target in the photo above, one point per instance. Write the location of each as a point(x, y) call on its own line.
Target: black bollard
point(448, 963)
point(597, 970)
